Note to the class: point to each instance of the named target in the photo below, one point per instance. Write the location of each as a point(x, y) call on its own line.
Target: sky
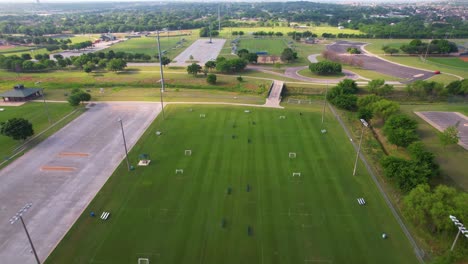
point(328, 1)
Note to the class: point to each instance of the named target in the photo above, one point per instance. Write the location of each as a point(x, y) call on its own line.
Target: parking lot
point(377, 64)
point(61, 176)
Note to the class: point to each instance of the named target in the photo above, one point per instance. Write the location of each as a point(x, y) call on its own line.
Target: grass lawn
point(274, 46)
point(177, 218)
point(132, 77)
point(449, 61)
point(36, 114)
point(452, 159)
point(149, 45)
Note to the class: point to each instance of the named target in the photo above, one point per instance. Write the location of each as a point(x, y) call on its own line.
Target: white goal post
point(177, 171)
point(292, 155)
point(282, 117)
point(188, 152)
point(143, 261)
point(202, 115)
point(296, 174)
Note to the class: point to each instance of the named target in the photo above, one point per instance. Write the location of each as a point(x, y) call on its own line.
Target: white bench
point(361, 201)
point(105, 215)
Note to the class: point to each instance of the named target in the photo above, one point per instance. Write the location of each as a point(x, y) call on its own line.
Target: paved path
point(80, 159)
point(374, 63)
point(274, 98)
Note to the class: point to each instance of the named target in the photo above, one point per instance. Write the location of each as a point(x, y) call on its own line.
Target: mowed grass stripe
point(177, 218)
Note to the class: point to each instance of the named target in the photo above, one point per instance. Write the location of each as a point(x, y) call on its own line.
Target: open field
point(177, 218)
point(274, 46)
point(148, 45)
point(452, 159)
point(34, 113)
point(226, 32)
point(456, 62)
point(130, 78)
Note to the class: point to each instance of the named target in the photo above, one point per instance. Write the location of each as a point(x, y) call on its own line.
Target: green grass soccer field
point(274, 46)
point(237, 200)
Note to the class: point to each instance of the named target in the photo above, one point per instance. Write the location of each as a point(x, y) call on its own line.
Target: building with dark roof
point(21, 94)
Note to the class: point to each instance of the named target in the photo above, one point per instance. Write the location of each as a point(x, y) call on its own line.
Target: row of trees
point(431, 90)
point(436, 46)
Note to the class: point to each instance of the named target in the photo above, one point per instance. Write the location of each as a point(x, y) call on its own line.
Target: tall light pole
point(324, 102)
point(219, 19)
point(19, 216)
point(46, 106)
point(125, 143)
point(162, 77)
point(365, 124)
point(461, 229)
point(211, 40)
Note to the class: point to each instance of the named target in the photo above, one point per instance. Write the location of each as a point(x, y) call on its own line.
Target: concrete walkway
point(274, 98)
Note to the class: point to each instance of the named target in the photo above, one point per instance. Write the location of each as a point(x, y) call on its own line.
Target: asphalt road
point(201, 51)
point(61, 176)
point(377, 64)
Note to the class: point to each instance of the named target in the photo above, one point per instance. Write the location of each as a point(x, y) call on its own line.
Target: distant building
point(108, 37)
point(21, 94)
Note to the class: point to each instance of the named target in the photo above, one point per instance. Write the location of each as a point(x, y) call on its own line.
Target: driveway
point(377, 64)
point(61, 176)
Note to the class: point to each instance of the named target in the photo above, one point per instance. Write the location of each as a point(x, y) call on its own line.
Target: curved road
point(374, 63)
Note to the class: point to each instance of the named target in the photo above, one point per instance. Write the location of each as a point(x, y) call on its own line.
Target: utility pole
point(19, 216)
point(46, 106)
point(359, 147)
point(162, 77)
point(324, 102)
point(125, 144)
point(211, 41)
point(219, 19)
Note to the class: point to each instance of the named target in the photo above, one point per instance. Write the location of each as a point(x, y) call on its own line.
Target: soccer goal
point(292, 155)
point(282, 117)
point(143, 261)
point(202, 115)
point(177, 171)
point(188, 152)
point(296, 174)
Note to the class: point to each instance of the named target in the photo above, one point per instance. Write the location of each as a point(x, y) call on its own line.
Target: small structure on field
point(21, 94)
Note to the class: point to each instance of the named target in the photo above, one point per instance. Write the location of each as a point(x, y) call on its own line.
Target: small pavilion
point(21, 94)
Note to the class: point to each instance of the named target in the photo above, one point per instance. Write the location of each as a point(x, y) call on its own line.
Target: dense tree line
point(436, 46)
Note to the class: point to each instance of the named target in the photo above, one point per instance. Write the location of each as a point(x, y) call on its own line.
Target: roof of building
point(22, 93)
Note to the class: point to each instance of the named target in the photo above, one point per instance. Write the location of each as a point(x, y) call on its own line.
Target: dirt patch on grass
point(465, 59)
point(4, 47)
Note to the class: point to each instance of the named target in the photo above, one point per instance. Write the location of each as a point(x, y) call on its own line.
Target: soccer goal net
point(143, 261)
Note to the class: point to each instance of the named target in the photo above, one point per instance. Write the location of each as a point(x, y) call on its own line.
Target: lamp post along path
point(125, 144)
point(162, 76)
point(461, 229)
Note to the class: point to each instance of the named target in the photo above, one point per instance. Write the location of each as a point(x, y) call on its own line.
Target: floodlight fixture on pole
point(461, 229)
point(19, 216)
point(365, 124)
point(125, 143)
point(162, 76)
point(324, 102)
point(219, 19)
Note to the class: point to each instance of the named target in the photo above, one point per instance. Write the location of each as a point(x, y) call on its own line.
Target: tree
point(78, 96)
point(353, 51)
point(116, 65)
point(16, 128)
point(165, 61)
point(407, 174)
point(325, 68)
point(390, 50)
point(449, 136)
point(26, 56)
point(210, 65)
point(345, 101)
point(384, 108)
point(400, 130)
point(211, 78)
point(194, 69)
point(288, 55)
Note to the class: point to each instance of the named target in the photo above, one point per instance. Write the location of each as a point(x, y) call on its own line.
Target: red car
point(437, 72)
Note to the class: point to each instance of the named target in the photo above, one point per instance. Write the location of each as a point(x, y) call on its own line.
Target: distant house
point(21, 94)
point(108, 37)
